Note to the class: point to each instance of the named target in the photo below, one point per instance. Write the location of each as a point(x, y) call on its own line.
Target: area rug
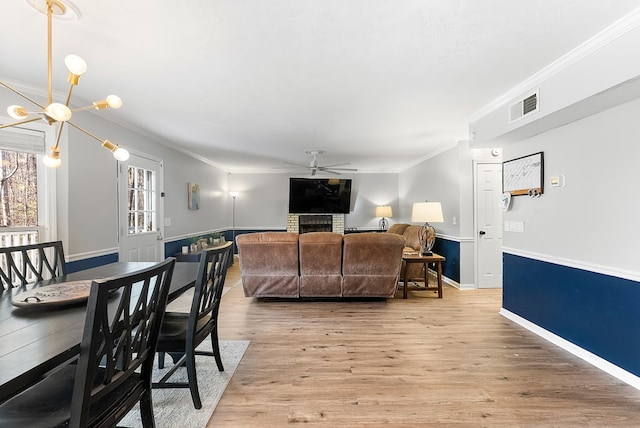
point(174, 407)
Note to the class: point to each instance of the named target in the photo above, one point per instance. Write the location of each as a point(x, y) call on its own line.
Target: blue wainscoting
point(596, 312)
point(92, 262)
point(451, 251)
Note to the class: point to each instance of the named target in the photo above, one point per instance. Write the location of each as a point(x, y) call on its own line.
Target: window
point(24, 188)
point(141, 196)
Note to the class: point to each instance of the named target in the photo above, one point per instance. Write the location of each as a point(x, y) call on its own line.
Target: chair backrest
point(20, 265)
point(124, 315)
point(207, 293)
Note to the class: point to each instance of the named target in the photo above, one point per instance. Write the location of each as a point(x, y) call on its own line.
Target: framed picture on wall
point(524, 176)
point(194, 196)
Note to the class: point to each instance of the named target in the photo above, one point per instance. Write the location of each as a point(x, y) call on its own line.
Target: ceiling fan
point(314, 166)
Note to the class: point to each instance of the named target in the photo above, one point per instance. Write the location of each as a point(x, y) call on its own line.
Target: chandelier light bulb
point(118, 152)
point(114, 101)
point(52, 160)
point(75, 65)
point(121, 154)
point(58, 112)
point(17, 112)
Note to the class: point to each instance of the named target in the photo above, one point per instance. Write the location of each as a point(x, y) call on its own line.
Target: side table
point(435, 259)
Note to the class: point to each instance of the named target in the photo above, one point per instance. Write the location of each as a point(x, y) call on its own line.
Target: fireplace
point(303, 223)
point(315, 223)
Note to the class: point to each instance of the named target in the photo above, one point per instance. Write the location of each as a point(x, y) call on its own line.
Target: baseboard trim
point(455, 284)
point(599, 362)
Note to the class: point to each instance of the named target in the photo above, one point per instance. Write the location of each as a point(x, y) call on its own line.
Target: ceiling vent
point(523, 107)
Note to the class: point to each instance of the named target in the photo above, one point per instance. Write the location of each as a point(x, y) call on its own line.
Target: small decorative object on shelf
point(216, 238)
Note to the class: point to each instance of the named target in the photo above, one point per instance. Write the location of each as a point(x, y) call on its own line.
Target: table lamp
point(425, 212)
point(384, 211)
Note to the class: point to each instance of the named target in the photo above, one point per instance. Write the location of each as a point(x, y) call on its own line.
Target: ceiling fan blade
point(325, 168)
point(297, 164)
point(336, 164)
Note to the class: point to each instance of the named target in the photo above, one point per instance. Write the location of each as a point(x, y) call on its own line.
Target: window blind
point(22, 140)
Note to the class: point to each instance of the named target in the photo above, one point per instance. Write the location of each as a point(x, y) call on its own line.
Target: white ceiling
point(248, 84)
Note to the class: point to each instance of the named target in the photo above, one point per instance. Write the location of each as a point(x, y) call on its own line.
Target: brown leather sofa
point(411, 244)
point(319, 264)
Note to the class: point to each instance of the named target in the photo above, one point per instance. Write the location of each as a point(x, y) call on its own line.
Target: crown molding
point(619, 28)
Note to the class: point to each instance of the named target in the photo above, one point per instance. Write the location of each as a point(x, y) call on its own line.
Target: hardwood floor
point(416, 362)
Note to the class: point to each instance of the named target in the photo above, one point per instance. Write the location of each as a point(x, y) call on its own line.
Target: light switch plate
point(557, 181)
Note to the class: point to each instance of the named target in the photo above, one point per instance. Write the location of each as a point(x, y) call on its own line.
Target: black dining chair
point(113, 370)
point(22, 264)
point(181, 333)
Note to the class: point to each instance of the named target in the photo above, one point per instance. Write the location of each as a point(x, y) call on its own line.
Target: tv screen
point(319, 195)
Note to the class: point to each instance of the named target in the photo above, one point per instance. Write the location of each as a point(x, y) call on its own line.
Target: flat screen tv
point(319, 195)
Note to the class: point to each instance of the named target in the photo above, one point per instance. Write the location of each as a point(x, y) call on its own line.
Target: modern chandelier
point(59, 113)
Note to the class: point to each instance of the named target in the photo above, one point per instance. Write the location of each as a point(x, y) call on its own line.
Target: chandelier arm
point(22, 95)
point(69, 95)
point(58, 136)
point(83, 108)
point(86, 132)
point(49, 55)
point(20, 122)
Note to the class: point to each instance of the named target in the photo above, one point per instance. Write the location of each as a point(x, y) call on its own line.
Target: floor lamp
point(234, 195)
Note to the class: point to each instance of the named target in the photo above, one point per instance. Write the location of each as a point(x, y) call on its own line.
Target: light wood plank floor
point(416, 362)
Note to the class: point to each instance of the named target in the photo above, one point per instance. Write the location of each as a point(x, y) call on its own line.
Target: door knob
point(482, 232)
point(159, 237)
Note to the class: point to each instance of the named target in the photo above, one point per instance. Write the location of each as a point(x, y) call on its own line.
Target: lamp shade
point(384, 211)
point(427, 212)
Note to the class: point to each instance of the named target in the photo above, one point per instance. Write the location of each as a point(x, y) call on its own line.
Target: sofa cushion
point(269, 264)
point(411, 237)
point(320, 264)
point(371, 264)
point(397, 228)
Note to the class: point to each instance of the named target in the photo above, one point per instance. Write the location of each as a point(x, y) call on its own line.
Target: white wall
point(592, 221)
point(92, 187)
point(435, 180)
point(446, 178)
point(264, 198)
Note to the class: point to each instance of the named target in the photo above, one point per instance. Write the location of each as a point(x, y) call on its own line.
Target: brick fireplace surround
point(337, 222)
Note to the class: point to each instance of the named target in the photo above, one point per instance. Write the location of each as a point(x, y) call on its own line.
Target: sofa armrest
point(269, 264)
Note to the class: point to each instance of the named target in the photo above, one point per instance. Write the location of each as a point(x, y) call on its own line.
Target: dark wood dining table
point(35, 341)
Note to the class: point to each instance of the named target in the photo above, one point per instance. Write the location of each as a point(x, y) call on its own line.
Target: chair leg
point(193, 380)
point(215, 345)
point(161, 360)
point(146, 410)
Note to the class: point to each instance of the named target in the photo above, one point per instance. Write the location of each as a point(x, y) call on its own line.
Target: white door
point(140, 210)
point(488, 225)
